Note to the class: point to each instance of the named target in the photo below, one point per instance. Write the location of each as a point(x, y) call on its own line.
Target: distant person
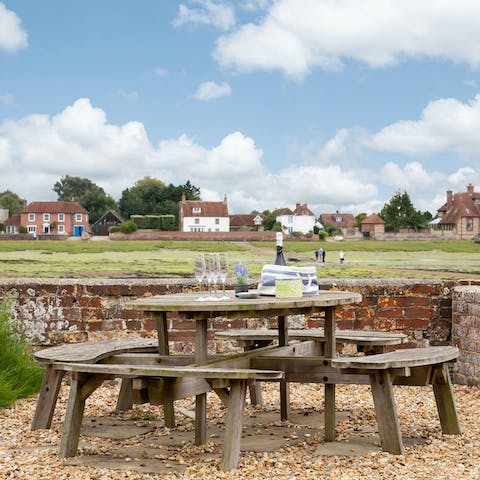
point(323, 255)
point(320, 254)
point(341, 255)
point(316, 255)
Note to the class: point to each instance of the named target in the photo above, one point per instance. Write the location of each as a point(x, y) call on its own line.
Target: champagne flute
point(199, 269)
point(223, 269)
point(210, 271)
point(214, 271)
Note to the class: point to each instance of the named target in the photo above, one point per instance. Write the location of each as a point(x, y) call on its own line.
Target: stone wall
point(466, 333)
point(63, 311)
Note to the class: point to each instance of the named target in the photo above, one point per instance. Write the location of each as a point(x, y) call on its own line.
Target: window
point(339, 219)
point(196, 209)
point(469, 224)
point(61, 217)
point(78, 217)
point(217, 221)
point(46, 217)
point(31, 217)
point(290, 219)
point(197, 221)
point(61, 229)
point(32, 228)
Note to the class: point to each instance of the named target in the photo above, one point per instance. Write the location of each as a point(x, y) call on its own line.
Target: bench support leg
point(125, 397)
point(82, 386)
point(386, 412)
point(51, 383)
point(284, 388)
point(447, 411)
point(330, 419)
point(164, 349)
point(233, 425)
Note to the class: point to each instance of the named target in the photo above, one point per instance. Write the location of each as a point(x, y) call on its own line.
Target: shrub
point(114, 229)
point(20, 376)
point(128, 227)
point(22, 229)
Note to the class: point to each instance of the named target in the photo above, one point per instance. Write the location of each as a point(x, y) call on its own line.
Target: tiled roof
point(373, 218)
point(282, 211)
point(54, 207)
point(348, 220)
point(241, 220)
point(462, 205)
point(303, 210)
point(207, 209)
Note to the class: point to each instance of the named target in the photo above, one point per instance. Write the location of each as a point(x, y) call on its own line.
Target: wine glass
point(210, 271)
point(223, 269)
point(199, 269)
point(213, 262)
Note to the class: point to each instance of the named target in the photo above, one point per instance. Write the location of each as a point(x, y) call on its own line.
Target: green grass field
point(157, 259)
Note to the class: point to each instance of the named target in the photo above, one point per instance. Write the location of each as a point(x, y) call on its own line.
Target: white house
point(200, 216)
point(301, 219)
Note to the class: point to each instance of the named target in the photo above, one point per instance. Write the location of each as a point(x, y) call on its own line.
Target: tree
point(12, 202)
point(269, 219)
point(400, 213)
point(150, 196)
point(359, 219)
point(92, 197)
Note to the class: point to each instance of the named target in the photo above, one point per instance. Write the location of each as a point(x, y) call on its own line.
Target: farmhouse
point(302, 219)
point(250, 222)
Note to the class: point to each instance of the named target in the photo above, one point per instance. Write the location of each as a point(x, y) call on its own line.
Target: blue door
point(77, 230)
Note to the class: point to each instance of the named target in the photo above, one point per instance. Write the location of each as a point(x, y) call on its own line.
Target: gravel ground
point(428, 454)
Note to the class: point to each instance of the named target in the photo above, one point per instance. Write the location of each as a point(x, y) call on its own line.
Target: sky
point(337, 103)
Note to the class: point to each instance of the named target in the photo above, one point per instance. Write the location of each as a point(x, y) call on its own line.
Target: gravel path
point(136, 446)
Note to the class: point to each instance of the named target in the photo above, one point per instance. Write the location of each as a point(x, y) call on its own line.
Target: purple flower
point(241, 273)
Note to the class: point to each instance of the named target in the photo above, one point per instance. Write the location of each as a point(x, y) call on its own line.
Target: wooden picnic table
point(196, 308)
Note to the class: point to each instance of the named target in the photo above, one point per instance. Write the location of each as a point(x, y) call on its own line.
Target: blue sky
point(339, 103)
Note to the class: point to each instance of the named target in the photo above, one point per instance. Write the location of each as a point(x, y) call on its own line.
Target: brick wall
point(61, 311)
point(466, 333)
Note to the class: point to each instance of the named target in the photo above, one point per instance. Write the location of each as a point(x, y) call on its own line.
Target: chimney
point(449, 197)
point(470, 189)
point(184, 197)
point(225, 198)
point(297, 205)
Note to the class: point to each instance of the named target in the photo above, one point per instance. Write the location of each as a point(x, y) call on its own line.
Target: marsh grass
point(20, 376)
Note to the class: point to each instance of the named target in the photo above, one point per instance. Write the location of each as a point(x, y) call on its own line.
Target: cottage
point(460, 213)
point(302, 219)
point(200, 216)
point(59, 218)
point(343, 222)
point(250, 222)
point(12, 224)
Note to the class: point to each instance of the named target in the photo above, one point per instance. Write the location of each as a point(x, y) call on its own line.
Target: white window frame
point(61, 229)
point(31, 228)
point(290, 219)
point(46, 217)
point(196, 221)
point(31, 217)
point(217, 221)
point(61, 217)
point(78, 217)
point(196, 209)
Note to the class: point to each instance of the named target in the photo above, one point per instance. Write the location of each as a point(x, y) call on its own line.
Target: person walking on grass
point(341, 256)
point(323, 254)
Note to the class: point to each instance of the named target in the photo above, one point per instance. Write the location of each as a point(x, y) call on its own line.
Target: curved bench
point(86, 378)
point(86, 352)
point(413, 366)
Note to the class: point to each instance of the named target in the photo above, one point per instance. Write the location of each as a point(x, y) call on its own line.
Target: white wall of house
point(3, 214)
point(296, 223)
point(206, 224)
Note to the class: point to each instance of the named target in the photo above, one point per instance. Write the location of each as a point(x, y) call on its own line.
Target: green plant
point(128, 227)
point(20, 376)
point(22, 229)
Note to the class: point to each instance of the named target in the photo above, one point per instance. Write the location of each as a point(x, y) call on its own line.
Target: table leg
point(284, 389)
point(201, 351)
point(447, 411)
point(330, 352)
point(164, 349)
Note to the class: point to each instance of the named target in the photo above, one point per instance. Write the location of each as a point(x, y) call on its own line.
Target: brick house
point(12, 224)
point(460, 213)
point(55, 218)
point(200, 216)
point(251, 222)
point(301, 219)
point(373, 226)
point(344, 222)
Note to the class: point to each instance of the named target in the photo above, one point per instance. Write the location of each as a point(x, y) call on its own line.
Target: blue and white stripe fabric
point(270, 273)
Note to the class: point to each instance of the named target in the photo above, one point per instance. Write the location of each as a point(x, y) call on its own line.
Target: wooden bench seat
point(87, 377)
point(86, 352)
point(429, 364)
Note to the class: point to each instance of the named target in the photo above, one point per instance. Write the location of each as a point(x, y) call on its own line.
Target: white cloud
point(208, 12)
point(160, 72)
point(444, 125)
point(412, 177)
point(8, 99)
point(12, 36)
point(211, 91)
point(298, 35)
point(133, 95)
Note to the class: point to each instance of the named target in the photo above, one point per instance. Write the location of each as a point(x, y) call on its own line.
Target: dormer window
point(196, 210)
point(339, 219)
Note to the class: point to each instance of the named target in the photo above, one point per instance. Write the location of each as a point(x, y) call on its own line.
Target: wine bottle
point(280, 259)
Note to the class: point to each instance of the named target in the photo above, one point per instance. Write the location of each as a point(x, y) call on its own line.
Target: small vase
point(241, 288)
